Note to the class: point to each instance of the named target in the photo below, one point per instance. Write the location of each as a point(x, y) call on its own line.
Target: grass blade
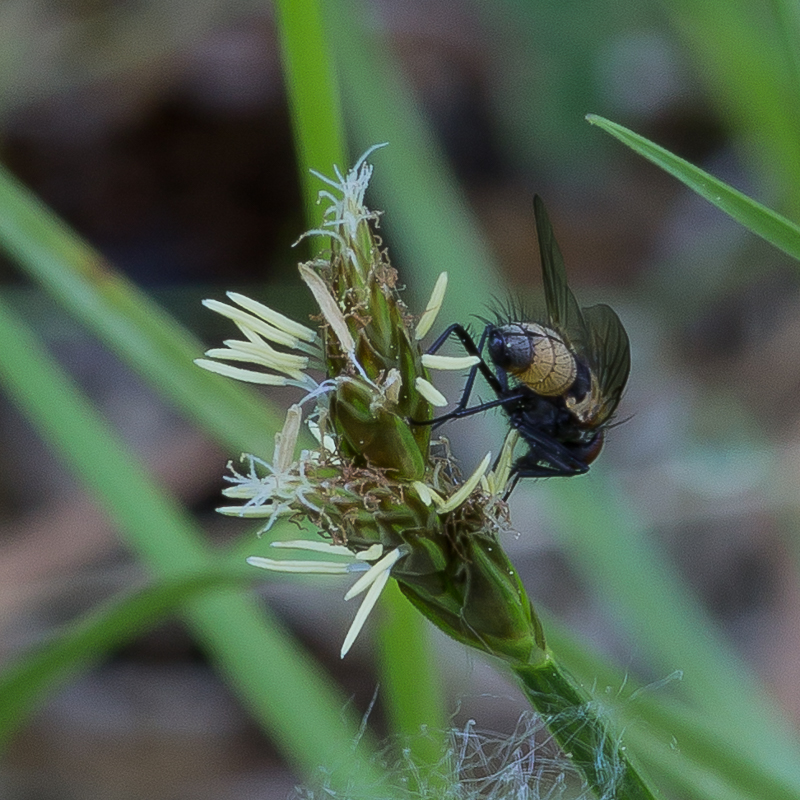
point(30, 676)
point(128, 321)
point(774, 228)
point(314, 97)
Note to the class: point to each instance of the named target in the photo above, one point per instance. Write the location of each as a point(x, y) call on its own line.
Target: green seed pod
point(374, 436)
point(475, 596)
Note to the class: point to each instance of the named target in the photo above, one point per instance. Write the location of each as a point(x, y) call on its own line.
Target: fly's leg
point(529, 466)
point(546, 458)
point(472, 350)
point(461, 410)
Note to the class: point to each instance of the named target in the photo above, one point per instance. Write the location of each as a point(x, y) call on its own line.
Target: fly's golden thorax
point(543, 360)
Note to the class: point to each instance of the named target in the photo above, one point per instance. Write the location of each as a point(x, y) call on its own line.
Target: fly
point(558, 379)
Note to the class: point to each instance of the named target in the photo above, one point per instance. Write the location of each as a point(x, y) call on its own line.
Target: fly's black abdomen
point(558, 445)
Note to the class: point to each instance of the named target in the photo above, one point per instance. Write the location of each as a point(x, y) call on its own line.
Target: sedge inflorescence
point(387, 500)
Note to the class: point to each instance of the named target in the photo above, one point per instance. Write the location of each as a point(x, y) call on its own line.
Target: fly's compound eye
point(510, 348)
point(535, 355)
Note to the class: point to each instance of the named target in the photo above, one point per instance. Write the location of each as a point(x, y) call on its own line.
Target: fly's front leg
point(472, 349)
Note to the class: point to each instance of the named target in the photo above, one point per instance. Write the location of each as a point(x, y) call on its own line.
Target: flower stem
point(576, 722)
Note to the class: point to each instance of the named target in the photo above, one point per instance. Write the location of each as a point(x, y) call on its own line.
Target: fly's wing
point(609, 356)
point(562, 309)
point(594, 333)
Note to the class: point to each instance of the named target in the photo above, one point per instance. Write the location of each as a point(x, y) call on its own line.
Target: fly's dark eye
point(511, 348)
point(498, 351)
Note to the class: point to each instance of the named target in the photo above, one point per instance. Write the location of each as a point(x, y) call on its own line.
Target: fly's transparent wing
point(595, 334)
point(562, 309)
point(608, 354)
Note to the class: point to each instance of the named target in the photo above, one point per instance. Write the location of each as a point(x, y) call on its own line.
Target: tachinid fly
point(559, 380)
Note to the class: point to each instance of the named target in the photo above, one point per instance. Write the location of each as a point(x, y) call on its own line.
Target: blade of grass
point(749, 65)
point(135, 327)
point(314, 98)
point(412, 690)
point(280, 685)
point(774, 228)
point(25, 681)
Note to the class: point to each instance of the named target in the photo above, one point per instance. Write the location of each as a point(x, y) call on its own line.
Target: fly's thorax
point(537, 356)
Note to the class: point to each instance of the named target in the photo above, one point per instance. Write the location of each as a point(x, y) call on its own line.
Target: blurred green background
point(161, 134)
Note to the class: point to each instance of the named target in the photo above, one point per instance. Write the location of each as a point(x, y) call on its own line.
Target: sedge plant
point(389, 501)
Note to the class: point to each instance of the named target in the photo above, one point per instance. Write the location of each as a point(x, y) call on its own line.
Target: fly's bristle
point(513, 309)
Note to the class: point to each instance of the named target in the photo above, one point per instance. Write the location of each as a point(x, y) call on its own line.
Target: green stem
point(576, 722)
